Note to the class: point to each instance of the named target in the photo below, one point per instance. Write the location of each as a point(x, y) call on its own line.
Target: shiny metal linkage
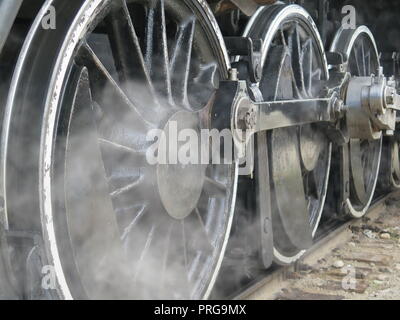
point(368, 104)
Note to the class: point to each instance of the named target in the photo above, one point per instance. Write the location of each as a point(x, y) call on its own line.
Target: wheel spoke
point(179, 276)
point(198, 246)
point(368, 63)
point(317, 74)
point(157, 50)
point(280, 75)
point(107, 93)
point(307, 56)
point(180, 63)
point(286, 85)
point(128, 187)
point(133, 223)
point(200, 240)
point(312, 185)
point(140, 263)
point(184, 247)
point(214, 188)
point(166, 257)
point(356, 72)
point(203, 86)
point(295, 46)
point(200, 220)
point(133, 193)
point(129, 59)
point(119, 121)
point(282, 37)
point(363, 56)
point(122, 154)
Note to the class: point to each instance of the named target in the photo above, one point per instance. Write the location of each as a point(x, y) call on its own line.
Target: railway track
point(269, 286)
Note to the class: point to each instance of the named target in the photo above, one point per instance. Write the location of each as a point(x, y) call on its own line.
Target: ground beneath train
point(365, 267)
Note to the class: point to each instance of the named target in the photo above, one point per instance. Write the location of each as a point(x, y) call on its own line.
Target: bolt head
point(339, 106)
point(250, 119)
point(390, 96)
point(233, 74)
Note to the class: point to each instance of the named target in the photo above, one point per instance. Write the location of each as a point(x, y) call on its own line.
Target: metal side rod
point(281, 114)
point(269, 115)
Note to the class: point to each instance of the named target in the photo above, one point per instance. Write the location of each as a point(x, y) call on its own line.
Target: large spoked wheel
point(360, 158)
point(293, 64)
point(84, 98)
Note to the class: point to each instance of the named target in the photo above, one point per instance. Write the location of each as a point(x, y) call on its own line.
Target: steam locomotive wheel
point(293, 63)
point(84, 98)
point(363, 161)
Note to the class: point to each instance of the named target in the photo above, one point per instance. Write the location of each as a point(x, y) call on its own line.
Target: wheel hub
point(180, 184)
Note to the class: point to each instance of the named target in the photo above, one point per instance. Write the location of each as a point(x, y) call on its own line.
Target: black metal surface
point(251, 50)
point(110, 213)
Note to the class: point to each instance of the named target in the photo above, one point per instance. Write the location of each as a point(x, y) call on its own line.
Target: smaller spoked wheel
point(294, 65)
point(360, 158)
point(117, 225)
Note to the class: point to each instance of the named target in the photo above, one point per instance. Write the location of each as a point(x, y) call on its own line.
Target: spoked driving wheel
point(360, 158)
point(87, 95)
point(294, 65)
